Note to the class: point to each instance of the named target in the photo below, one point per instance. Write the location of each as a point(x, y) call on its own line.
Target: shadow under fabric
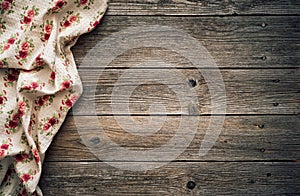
point(39, 81)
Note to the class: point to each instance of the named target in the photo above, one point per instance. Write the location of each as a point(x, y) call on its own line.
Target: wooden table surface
point(256, 45)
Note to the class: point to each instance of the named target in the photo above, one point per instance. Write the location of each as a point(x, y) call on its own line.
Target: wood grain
point(202, 7)
point(210, 178)
point(252, 138)
point(248, 91)
point(233, 42)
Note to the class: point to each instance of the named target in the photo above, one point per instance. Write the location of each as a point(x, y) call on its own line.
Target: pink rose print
point(6, 46)
point(69, 20)
point(30, 13)
point(25, 48)
point(66, 84)
point(27, 18)
point(68, 102)
point(73, 18)
point(11, 40)
point(46, 30)
point(11, 76)
point(30, 87)
point(46, 126)
point(36, 155)
point(5, 5)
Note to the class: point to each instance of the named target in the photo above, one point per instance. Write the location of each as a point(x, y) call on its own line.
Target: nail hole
point(263, 58)
point(95, 140)
point(95, 189)
point(275, 104)
point(192, 83)
point(191, 185)
point(263, 25)
point(262, 150)
point(252, 181)
point(269, 174)
point(261, 126)
point(225, 141)
point(276, 81)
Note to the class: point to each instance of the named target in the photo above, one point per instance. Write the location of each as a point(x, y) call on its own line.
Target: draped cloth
point(39, 81)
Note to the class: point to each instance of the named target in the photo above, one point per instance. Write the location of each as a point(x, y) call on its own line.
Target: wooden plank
point(210, 178)
point(207, 7)
point(255, 42)
point(259, 138)
point(248, 91)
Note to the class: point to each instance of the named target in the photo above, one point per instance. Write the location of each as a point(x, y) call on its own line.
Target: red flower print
point(46, 97)
point(25, 46)
point(36, 155)
point(1, 100)
point(52, 121)
point(5, 5)
point(52, 76)
point(11, 40)
point(82, 2)
point(46, 36)
point(27, 20)
point(21, 157)
point(67, 23)
point(46, 126)
point(1, 64)
point(13, 124)
point(73, 19)
point(95, 23)
point(10, 1)
point(30, 13)
point(27, 87)
point(25, 177)
point(39, 61)
point(69, 103)
point(2, 152)
point(34, 85)
point(6, 46)
point(16, 117)
point(4, 146)
point(21, 107)
point(48, 28)
point(59, 3)
point(12, 77)
point(65, 84)
point(41, 102)
point(23, 54)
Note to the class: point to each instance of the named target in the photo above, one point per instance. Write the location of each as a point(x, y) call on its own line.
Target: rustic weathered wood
point(210, 178)
point(259, 138)
point(248, 91)
point(233, 42)
point(202, 7)
point(256, 45)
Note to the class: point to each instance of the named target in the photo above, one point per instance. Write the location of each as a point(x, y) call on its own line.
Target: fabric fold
point(39, 81)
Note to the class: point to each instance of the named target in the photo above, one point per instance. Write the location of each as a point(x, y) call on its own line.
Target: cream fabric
point(39, 82)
